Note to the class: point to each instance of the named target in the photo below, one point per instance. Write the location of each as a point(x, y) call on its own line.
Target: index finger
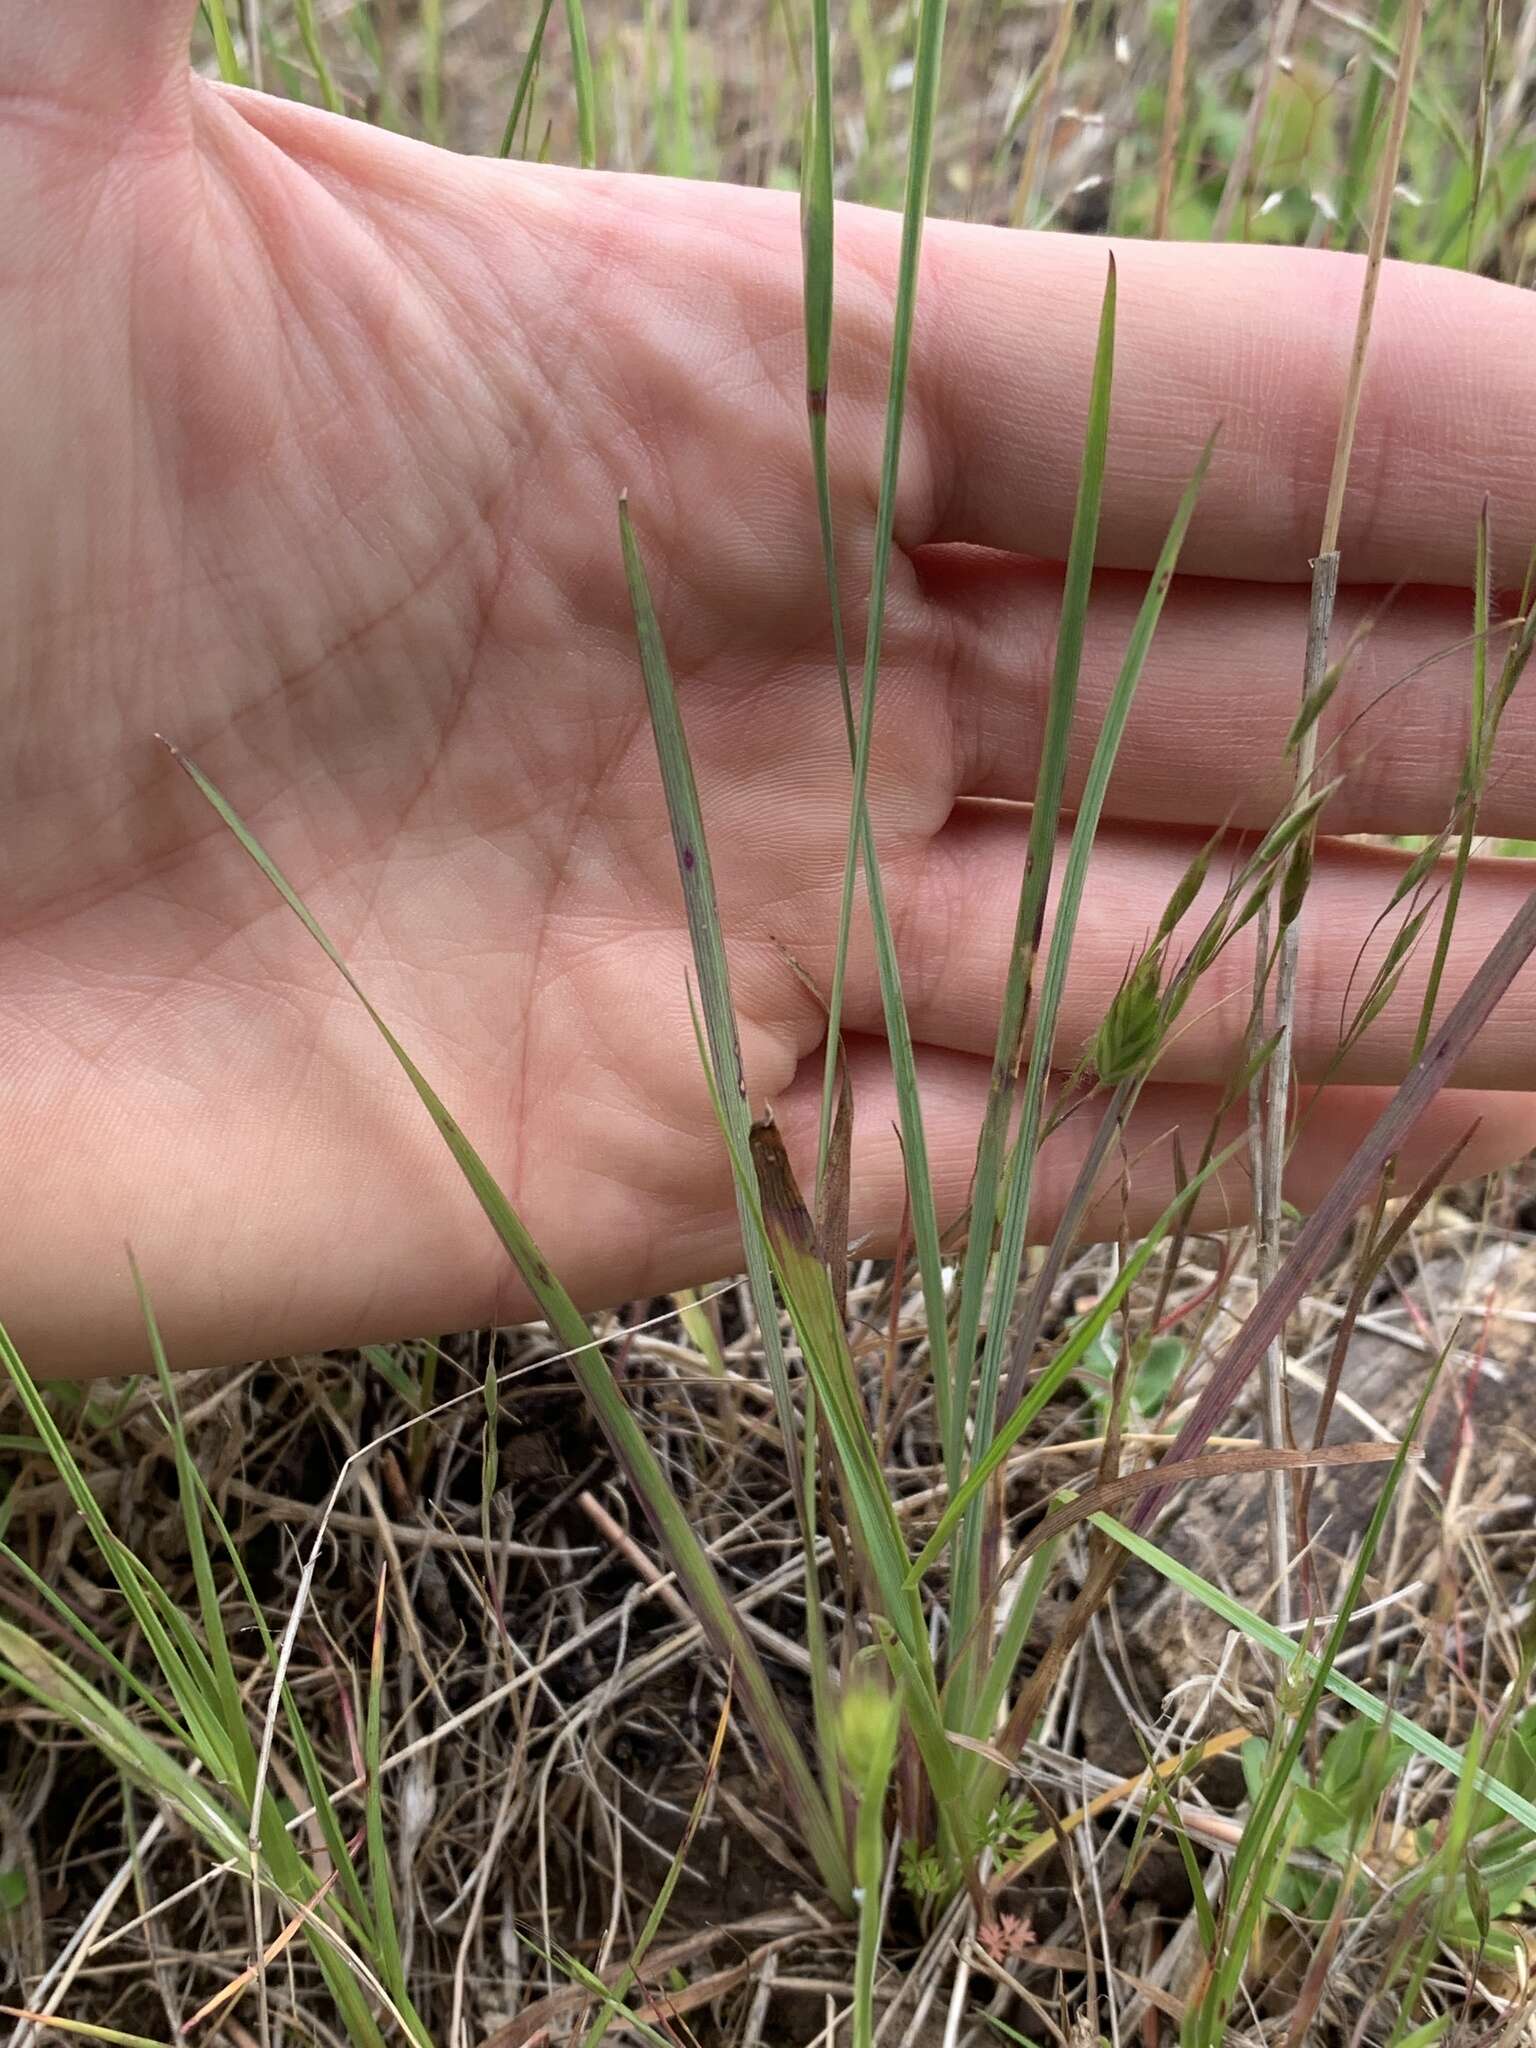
point(1257, 340)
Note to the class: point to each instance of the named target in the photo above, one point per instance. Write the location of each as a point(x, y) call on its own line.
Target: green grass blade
point(431, 18)
point(581, 75)
point(817, 229)
point(805, 1283)
point(1260, 1844)
point(392, 1963)
point(357, 1914)
point(715, 1613)
point(1044, 818)
point(1304, 1664)
point(309, 35)
point(808, 1293)
point(1012, 1637)
point(817, 252)
point(1076, 1345)
point(391, 1371)
point(525, 78)
point(292, 1874)
point(77, 1626)
point(682, 157)
point(154, 1767)
point(1028, 923)
point(1074, 878)
point(1493, 16)
point(227, 1684)
point(822, 1690)
point(46, 1678)
point(182, 1664)
point(231, 71)
point(927, 63)
point(710, 964)
point(87, 2030)
point(604, 1994)
point(1021, 1164)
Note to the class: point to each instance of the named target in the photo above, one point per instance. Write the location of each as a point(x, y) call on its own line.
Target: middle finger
point(1205, 742)
point(953, 907)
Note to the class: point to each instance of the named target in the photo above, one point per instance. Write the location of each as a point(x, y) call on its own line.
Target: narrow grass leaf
point(1021, 1163)
point(357, 1915)
point(1305, 1665)
point(392, 1963)
point(710, 964)
point(231, 1703)
point(84, 2030)
point(46, 1678)
point(100, 1650)
point(525, 78)
point(817, 261)
point(430, 13)
point(1261, 1843)
point(1029, 919)
point(182, 1664)
point(309, 35)
point(581, 77)
point(714, 1610)
point(927, 64)
point(389, 1369)
point(808, 1294)
point(1078, 1342)
point(231, 71)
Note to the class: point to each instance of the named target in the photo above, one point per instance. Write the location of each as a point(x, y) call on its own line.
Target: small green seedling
point(1156, 1363)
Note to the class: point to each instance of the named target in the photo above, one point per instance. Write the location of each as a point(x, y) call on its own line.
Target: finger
point(1206, 738)
point(100, 59)
point(1255, 340)
point(954, 908)
point(1138, 1181)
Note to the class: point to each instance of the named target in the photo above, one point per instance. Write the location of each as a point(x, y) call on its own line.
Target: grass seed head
point(1128, 1038)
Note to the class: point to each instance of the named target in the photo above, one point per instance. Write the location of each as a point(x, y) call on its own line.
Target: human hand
point(314, 437)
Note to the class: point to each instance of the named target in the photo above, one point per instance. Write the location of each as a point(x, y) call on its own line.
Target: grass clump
point(904, 1726)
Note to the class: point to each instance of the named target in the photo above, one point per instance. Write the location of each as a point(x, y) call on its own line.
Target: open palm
point(313, 441)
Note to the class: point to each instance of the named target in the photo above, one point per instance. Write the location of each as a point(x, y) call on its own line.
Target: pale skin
point(313, 441)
